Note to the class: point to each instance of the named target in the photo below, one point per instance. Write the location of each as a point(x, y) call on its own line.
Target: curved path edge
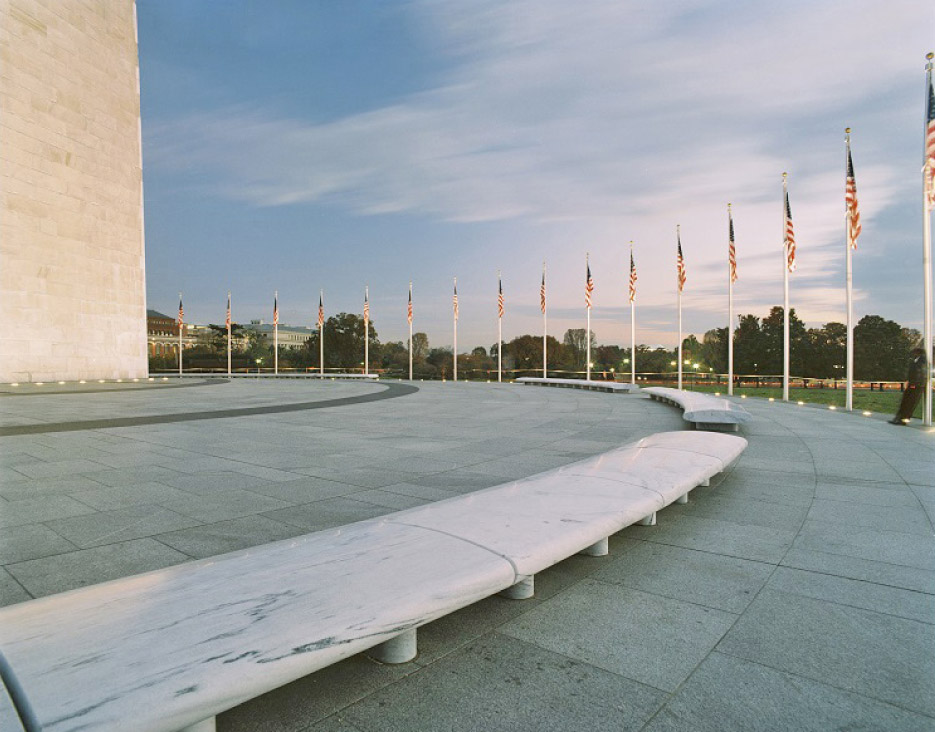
point(389, 391)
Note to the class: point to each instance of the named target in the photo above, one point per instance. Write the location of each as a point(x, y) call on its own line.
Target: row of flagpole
point(852, 232)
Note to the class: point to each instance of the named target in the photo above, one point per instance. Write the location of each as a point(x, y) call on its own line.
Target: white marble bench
point(168, 650)
point(616, 387)
point(704, 411)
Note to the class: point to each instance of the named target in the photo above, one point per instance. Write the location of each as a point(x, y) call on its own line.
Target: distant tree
point(881, 349)
point(749, 346)
point(219, 336)
point(576, 343)
point(772, 330)
point(714, 350)
point(691, 349)
point(826, 351)
point(420, 346)
point(344, 343)
point(479, 351)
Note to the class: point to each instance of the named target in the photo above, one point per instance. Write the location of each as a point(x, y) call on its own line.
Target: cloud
point(610, 117)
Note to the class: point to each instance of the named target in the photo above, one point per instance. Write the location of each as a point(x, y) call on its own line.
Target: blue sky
point(294, 146)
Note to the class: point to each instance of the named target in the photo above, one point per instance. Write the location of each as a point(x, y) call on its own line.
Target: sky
point(300, 145)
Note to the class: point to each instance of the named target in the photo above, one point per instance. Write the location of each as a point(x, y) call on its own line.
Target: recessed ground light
point(151, 378)
point(743, 396)
point(100, 381)
point(82, 382)
point(772, 399)
point(717, 393)
point(15, 383)
point(801, 404)
point(135, 380)
point(866, 414)
point(40, 383)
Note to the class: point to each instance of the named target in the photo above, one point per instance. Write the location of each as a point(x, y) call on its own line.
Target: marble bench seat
point(704, 411)
point(168, 650)
point(616, 387)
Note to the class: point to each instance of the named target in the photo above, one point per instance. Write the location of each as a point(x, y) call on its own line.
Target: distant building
point(289, 336)
point(162, 334)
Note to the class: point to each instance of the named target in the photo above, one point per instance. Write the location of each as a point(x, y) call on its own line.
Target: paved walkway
point(794, 594)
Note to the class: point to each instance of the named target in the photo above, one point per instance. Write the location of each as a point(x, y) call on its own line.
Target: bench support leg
point(648, 520)
point(705, 482)
point(522, 590)
point(205, 725)
point(600, 549)
point(400, 649)
point(683, 498)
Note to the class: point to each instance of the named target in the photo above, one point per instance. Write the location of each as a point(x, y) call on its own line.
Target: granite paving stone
point(884, 657)
point(49, 575)
point(224, 505)
point(30, 541)
point(869, 570)
point(500, 683)
point(44, 508)
point(109, 527)
point(325, 514)
point(227, 536)
point(727, 693)
point(656, 640)
point(713, 580)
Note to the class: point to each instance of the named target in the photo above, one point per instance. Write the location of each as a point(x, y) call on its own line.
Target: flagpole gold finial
point(784, 176)
point(847, 130)
point(929, 56)
point(728, 205)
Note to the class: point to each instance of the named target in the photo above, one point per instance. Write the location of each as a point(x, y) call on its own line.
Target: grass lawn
point(885, 402)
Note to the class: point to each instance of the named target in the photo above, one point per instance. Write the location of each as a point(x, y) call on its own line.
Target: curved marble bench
point(168, 650)
point(616, 387)
point(703, 410)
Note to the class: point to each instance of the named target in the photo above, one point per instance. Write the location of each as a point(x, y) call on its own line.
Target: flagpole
point(587, 332)
point(927, 258)
point(409, 316)
point(181, 325)
point(367, 331)
point(632, 321)
point(321, 333)
point(678, 234)
point(545, 327)
point(785, 295)
point(730, 314)
point(454, 315)
point(228, 333)
point(849, 302)
point(276, 334)
point(499, 329)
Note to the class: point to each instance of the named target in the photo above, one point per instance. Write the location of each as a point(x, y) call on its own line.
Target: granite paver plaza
point(796, 592)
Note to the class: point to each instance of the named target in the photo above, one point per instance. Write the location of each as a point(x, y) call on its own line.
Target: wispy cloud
point(619, 118)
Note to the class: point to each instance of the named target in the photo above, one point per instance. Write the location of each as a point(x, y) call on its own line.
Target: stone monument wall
point(72, 276)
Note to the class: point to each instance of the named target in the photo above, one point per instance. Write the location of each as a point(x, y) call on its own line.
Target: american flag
point(366, 307)
point(930, 147)
point(731, 248)
point(181, 313)
point(276, 309)
point(227, 322)
point(409, 311)
point(454, 300)
point(680, 265)
point(542, 292)
point(789, 242)
point(321, 311)
point(632, 277)
point(588, 286)
point(850, 201)
point(499, 297)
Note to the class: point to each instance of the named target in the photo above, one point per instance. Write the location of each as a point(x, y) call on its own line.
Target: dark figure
point(914, 388)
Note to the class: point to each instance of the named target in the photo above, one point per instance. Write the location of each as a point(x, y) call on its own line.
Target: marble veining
point(169, 648)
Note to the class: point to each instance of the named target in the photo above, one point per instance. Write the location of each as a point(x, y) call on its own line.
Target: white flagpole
point(454, 356)
point(181, 326)
point(321, 333)
point(678, 285)
point(499, 330)
point(785, 295)
point(849, 302)
point(276, 335)
point(367, 331)
point(632, 326)
point(228, 333)
point(587, 332)
point(927, 268)
point(410, 330)
point(730, 318)
point(545, 326)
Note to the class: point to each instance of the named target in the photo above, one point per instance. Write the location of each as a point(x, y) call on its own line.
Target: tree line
point(881, 351)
